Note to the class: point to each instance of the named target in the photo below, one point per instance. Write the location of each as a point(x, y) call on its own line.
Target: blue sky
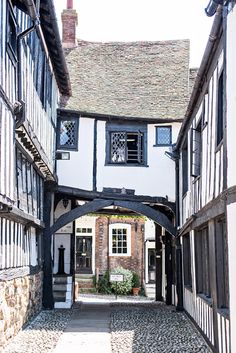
point(133, 20)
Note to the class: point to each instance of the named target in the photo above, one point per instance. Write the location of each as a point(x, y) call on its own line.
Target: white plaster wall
point(231, 219)
point(33, 248)
point(62, 239)
point(149, 229)
point(78, 171)
point(158, 179)
point(231, 97)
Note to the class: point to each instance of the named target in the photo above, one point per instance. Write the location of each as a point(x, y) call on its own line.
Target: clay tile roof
point(139, 79)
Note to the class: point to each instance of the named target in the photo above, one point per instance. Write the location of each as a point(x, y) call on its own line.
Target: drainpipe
point(179, 278)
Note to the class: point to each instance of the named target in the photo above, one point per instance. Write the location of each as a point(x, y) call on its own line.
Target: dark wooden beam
point(91, 195)
point(97, 204)
point(48, 301)
point(108, 117)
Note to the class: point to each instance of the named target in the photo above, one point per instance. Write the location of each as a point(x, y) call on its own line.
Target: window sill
point(109, 164)
point(207, 300)
point(120, 255)
point(188, 287)
point(218, 147)
point(224, 312)
point(157, 145)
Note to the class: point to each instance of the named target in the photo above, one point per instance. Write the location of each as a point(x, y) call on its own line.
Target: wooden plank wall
point(14, 244)
point(201, 312)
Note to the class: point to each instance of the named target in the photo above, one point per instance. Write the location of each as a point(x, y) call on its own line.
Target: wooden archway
point(98, 204)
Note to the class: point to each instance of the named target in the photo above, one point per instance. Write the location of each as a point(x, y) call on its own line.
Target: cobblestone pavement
point(152, 328)
point(140, 326)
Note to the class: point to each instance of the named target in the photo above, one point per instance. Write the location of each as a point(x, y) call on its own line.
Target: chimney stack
point(69, 20)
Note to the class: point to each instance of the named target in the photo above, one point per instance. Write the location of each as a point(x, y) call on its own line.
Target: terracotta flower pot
point(135, 291)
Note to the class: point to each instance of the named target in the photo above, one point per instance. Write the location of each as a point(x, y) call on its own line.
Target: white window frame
point(120, 226)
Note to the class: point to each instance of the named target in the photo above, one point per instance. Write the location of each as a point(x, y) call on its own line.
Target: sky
point(141, 20)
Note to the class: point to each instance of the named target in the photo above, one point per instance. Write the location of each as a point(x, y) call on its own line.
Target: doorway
point(151, 265)
point(83, 254)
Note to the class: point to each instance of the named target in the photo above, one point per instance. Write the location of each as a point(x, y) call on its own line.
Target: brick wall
point(135, 262)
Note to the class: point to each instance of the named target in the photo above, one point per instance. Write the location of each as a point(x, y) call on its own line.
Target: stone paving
point(137, 325)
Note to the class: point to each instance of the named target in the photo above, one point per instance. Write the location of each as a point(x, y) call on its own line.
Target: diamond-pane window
point(127, 147)
point(68, 134)
point(163, 135)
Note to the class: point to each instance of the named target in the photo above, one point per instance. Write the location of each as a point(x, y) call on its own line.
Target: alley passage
point(110, 327)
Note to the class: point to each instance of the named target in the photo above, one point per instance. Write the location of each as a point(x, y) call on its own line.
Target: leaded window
point(196, 150)
point(67, 134)
point(163, 135)
point(126, 147)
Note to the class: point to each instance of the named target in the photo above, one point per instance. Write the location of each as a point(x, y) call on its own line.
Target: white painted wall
point(78, 171)
point(62, 239)
point(158, 179)
point(231, 97)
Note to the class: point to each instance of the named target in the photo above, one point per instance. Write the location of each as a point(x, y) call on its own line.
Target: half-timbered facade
point(32, 74)
point(206, 186)
point(115, 133)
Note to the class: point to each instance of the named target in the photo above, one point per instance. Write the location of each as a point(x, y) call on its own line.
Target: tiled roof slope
point(135, 79)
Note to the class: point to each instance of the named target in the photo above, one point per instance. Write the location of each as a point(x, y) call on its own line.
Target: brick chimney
point(69, 20)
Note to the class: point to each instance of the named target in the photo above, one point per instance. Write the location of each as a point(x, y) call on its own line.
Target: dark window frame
point(196, 150)
point(76, 134)
point(169, 127)
point(220, 110)
point(131, 128)
point(222, 271)
point(187, 261)
point(185, 168)
point(11, 32)
point(202, 265)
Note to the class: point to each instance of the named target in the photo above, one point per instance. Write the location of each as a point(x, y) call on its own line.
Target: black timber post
point(213, 281)
point(158, 263)
point(48, 301)
point(179, 278)
point(168, 266)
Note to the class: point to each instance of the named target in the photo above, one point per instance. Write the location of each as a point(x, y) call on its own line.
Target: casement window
point(222, 271)
point(120, 239)
point(196, 150)
point(202, 262)
point(163, 135)
point(29, 186)
point(67, 133)
point(126, 144)
point(11, 32)
point(187, 261)
point(185, 168)
point(220, 115)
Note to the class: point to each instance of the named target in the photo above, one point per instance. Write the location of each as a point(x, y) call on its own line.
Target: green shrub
point(122, 287)
point(103, 285)
point(135, 280)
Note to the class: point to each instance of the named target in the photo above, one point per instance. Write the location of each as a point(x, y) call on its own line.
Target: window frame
point(66, 147)
point(128, 240)
point(202, 262)
point(187, 263)
point(220, 110)
point(156, 136)
point(196, 150)
point(128, 129)
point(11, 23)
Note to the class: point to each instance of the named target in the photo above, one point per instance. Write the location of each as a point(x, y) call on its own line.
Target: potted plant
point(135, 284)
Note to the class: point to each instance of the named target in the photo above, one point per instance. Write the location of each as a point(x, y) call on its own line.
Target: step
point(60, 287)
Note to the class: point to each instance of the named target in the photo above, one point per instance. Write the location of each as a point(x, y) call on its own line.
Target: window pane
point(68, 133)
point(163, 135)
point(118, 147)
